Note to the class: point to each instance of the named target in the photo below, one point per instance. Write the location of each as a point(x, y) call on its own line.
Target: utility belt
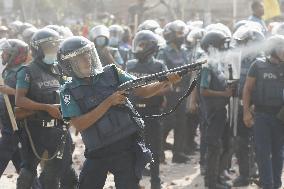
point(48, 123)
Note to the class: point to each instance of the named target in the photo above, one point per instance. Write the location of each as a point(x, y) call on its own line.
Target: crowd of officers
point(56, 80)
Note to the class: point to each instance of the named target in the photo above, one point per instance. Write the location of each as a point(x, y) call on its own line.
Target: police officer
point(99, 112)
point(145, 45)
point(115, 41)
point(174, 55)
point(14, 54)
point(37, 86)
point(245, 36)
point(153, 26)
point(214, 93)
point(100, 35)
point(193, 52)
point(266, 79)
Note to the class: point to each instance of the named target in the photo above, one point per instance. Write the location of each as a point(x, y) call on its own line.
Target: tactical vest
point(218, 83)
point(144, 69)
point(245, 65)
point(116, 123)
point(175, 58)
point(44, 84)
point(44, 87)
point(269, 89)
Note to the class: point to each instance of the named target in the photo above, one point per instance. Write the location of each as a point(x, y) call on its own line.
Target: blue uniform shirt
point(23, 79)
point(69, 106)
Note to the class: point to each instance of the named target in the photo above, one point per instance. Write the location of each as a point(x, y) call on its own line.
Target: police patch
point(27, 77)
point(67, 99)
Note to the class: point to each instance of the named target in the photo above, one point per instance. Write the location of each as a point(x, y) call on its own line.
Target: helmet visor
point(50, 47)
point(84, 62)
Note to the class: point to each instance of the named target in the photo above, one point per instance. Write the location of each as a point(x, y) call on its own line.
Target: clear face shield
point(84, 62)
point(115, 38)
point(50, 49)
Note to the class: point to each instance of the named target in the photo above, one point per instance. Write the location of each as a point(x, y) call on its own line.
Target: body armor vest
point(117, 123)
point(218, 83)
point(44, 87)
point(269, 89)
point(144, 69)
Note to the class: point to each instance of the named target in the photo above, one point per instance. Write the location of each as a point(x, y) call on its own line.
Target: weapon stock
point(160, 76)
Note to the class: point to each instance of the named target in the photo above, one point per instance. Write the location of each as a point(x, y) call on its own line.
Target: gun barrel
point(160, 76)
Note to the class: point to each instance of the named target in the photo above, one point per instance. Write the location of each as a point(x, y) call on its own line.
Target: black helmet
point(74, 52)
point(14, 52)
point(215, 39)
point(145, 44)
point(173, 29)
point(151, 25)
point(42, 40)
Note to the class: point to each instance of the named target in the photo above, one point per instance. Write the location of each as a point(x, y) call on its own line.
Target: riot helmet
point(100, 36)
point(246, 34)
point(195, 35)
point(145, 44)
point(219, 27)
point(15, 28)
point(44, 45)
point(215, 39)
point(78, 57)
point(13, 52)
point(115, 35)
point(151, 25)
point(174, 32)
point(28, 33)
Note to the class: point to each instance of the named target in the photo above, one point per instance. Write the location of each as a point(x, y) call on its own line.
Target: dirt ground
point(173, 176)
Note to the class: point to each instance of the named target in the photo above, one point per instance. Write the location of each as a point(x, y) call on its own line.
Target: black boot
point(180, 158)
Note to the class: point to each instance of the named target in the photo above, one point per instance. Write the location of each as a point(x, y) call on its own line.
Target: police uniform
point(244, 154)
point(174, 58)
point(114, 53)
point(150, 106)
point(268, 130)
point(110, 142)
point(47, 133)
point(193, 119)
point(9, 141)
point(216, 116)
